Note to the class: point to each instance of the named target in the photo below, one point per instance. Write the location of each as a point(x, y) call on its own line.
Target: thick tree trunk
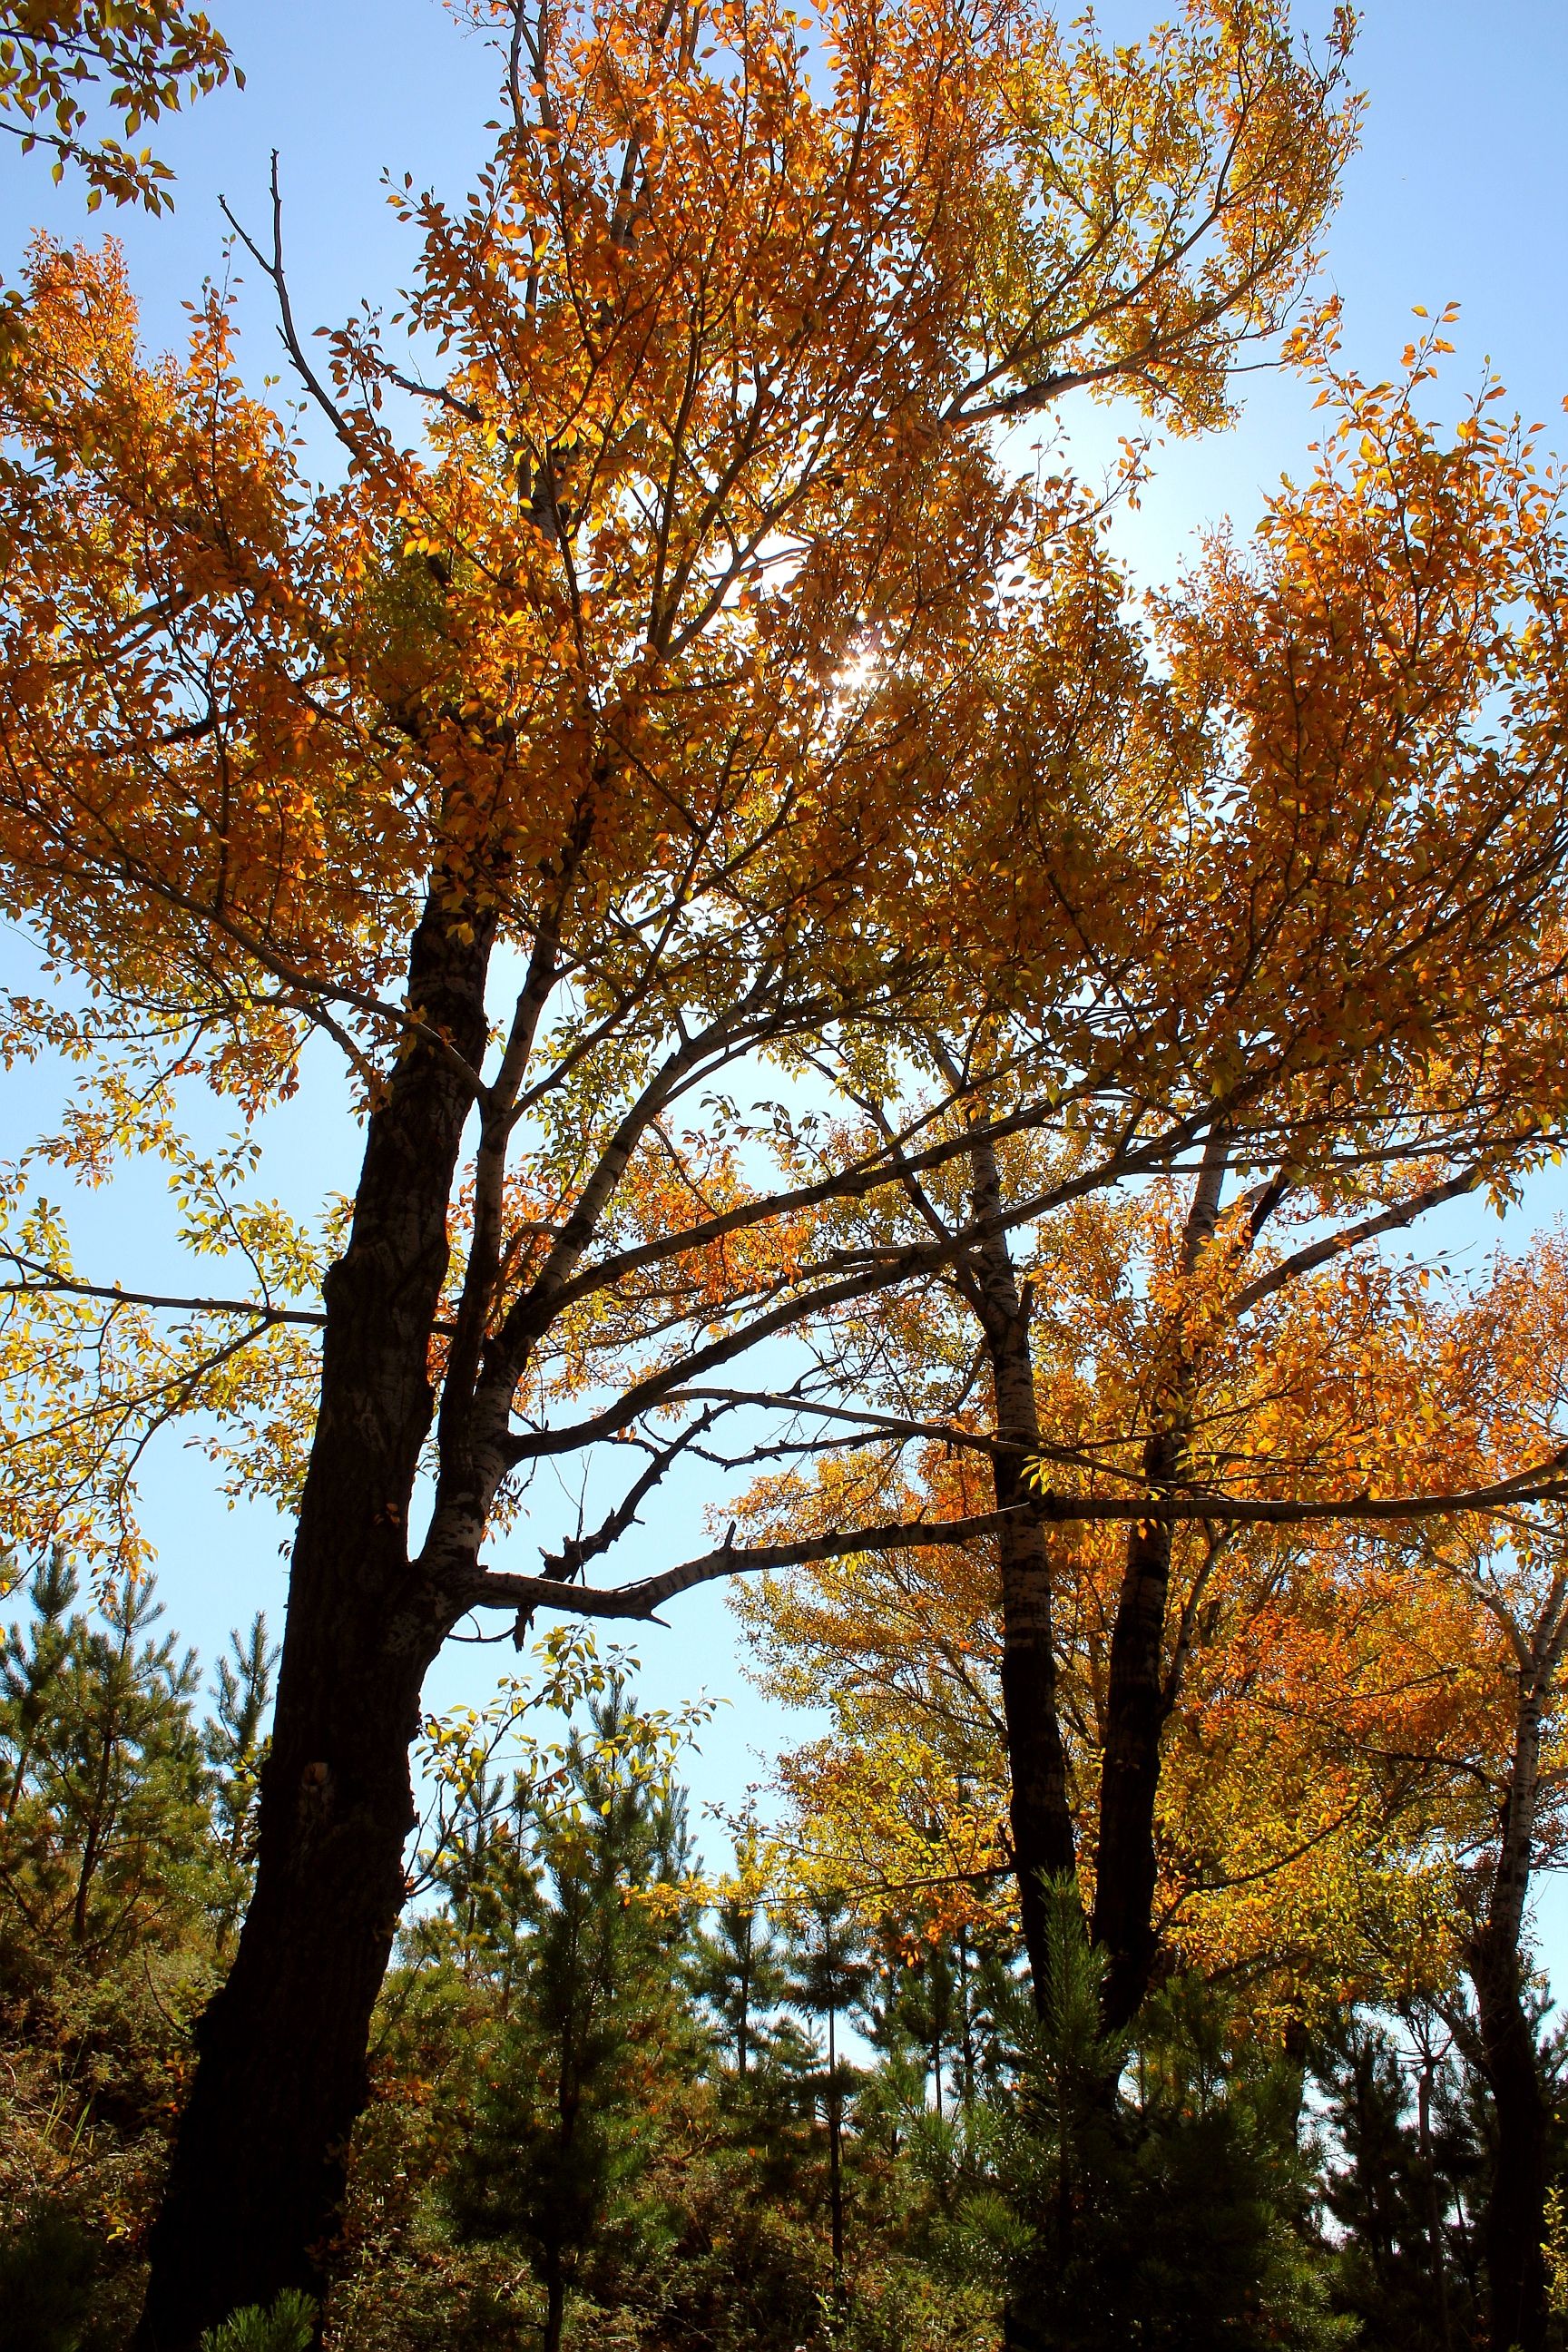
point(1515, 2225)
point(1039, 1812)
point(257, 2169)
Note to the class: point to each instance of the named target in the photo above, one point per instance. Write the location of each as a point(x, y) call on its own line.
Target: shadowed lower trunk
point(1515, 2225)
point(258, 2167)
point(554, 2301)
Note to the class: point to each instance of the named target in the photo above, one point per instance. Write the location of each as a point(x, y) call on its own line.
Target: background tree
point(1163, 2203)
point(1408, 2164)
point(1368, 572)
point(106, 1805)
point(737, 1969)
point(234, 1744)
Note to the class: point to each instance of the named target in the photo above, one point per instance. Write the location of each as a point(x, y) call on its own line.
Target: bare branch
point(43, 1282)
point(1387, 1221)
point(494, 1589)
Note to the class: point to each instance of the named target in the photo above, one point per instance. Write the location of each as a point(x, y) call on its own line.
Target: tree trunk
point(1515, 2225)
point(1040, 1815)
point(258, 2164)
point(743, 2018)
point(1135, 1710)
point(1437, 2252)
point(555, 2302)
point(1514, 2230)
point(1138, 1693)
point(835, 2163)
point(95, 1827)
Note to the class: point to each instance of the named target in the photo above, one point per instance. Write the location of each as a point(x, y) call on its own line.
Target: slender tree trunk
point(555, 2302)
point(1135, 1711)
point(258, 2165)
point(1138, 1692)
point(1514, 2225)
point(95, 1829)
point(1040, 1813)
point(1436, 2251)
point(834, 2162)
point(936, 2070)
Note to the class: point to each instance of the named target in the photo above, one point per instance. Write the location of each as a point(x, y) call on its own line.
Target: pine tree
point(235, 1747)
point(124, 1862)
point(48, 2268)
point(738, 1972)
point(929, 1999)
point(32, 1660)
point(828, 1974)
point(567, 2120)
point(1145, 2189)
point(106, 1835)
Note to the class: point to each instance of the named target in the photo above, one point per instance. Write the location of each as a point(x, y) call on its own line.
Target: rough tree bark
point(258, 2167)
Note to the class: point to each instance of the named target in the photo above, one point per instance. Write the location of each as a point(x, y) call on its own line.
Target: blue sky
point(1460, 192)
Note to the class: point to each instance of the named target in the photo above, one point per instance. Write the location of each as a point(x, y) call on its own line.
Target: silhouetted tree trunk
point(1136, 1706)
point(1139, 1692)
point(836, 2159)
point(258, 2163)
point(1515, 2225)
point(1039, 1812)
point(554, 2301)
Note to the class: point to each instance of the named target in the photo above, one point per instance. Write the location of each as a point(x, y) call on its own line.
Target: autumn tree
point(1328, 737)
point(1486, 1612)
point(1285, 1848)
point(1443, 1666)
point(629, 720)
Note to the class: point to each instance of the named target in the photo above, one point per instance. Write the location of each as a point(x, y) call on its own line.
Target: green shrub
point(288, 2326)
point(48, 2267)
